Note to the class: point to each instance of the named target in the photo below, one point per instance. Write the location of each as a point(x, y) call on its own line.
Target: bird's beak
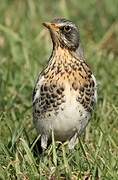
point(51, 26)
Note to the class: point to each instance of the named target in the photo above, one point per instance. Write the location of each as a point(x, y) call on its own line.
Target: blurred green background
point(25, 47)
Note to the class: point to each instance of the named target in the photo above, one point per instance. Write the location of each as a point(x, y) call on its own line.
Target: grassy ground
point(24, 50)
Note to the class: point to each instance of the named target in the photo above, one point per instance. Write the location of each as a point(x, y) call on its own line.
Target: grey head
point(64, 33)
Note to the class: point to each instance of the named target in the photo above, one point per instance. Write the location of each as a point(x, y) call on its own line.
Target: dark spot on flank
point(81, 88)
point(42, 98)
point(62, 73)
point(58, 102)
point(75, 78)
point(56, 112)
point(81, 114)
point(81, 75)
point(63, 95)
point(56, 108)
point(80, 69)
point(66, 68)
point(36, 101)
point(45, 107)
point(89, 109)
point(42, 102)
point(42, 93)
point(89, 75)
point(75, 86)
point(50, 81)
point(55, 104)
point(52, 100)
point(87, 98)
point(45, 88)
point(42, 88)
point(37, 111)
point(86, 85)
point(62, 88)
point(59, 91)
point(74, 67)
point(88, 93)
point(92, 103)
point(89, 71)
point(51, 88)
point(47, 102)
point(88, 90)
point(78, 99)
point(82, 101)
point(63, 100)
point(67, 76)
point(54, 85)
point(48, 95)
point(81, 93)
point(92, 83)
point(58, 70)
point(50, 109)
point(54, 95)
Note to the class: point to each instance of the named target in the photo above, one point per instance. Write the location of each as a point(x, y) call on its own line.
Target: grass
point(24, 50)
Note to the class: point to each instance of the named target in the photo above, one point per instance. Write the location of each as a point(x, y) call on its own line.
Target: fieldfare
point(65, 92)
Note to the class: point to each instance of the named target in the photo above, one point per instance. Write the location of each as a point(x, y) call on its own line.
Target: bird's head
point(63, 33)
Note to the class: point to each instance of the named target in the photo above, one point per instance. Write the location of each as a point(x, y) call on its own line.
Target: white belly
point(71, 118)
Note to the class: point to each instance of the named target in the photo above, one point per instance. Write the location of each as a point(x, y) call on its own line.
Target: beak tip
point(45, 24)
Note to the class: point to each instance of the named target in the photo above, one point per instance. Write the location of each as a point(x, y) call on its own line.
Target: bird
point(65, 92)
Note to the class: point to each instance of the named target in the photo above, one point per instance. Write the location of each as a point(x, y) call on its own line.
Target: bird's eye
point(66, 28)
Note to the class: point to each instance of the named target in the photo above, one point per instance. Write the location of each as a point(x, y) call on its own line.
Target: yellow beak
point(51, 26)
